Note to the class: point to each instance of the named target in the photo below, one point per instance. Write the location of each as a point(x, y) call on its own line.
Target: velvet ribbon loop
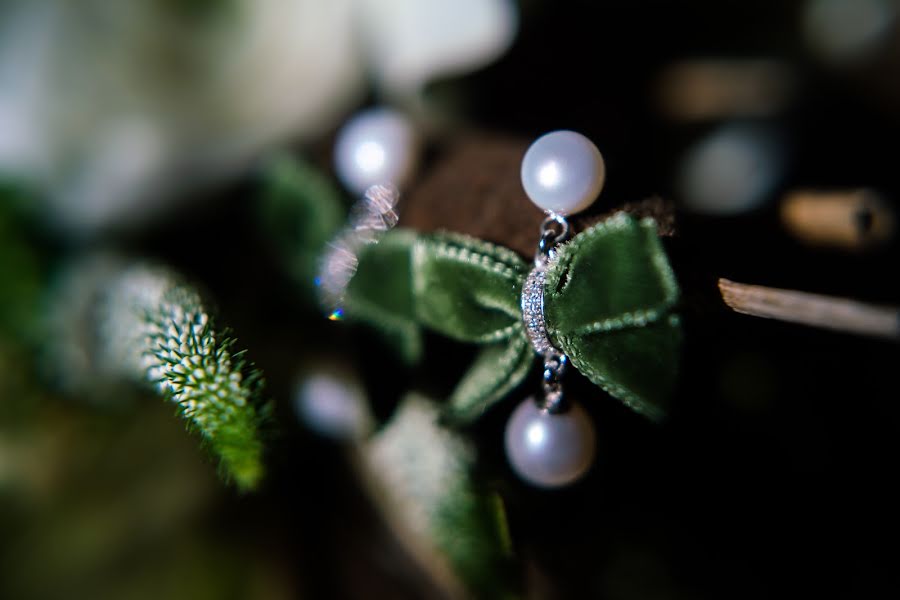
point(608, 302)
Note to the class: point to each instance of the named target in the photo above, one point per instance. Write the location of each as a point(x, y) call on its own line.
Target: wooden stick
point(815, 310)
point(848, 219)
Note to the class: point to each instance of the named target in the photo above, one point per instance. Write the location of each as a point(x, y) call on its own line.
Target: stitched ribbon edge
point(361, 309)
point(515, 363)
point(637, 318)
point(465, 249)
point(639, 403)
point(512, 366)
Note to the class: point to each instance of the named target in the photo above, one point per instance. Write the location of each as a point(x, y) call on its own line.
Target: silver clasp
point(554, 231)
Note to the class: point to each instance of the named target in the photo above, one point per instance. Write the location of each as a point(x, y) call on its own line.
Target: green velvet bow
point(608, 302)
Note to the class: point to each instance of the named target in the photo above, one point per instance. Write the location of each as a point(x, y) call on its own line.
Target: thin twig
point(815, 310)
point(847, 219)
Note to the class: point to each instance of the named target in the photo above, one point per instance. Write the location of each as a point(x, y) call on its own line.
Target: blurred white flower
point(114, 106)
point(331, 400)
point(412, 41)
point(844, 31)
point(732, 170)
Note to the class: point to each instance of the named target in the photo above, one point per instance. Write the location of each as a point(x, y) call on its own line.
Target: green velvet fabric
point(612, 276)
point(381, 293)
point(497, 370)
point(637, 366)
point(467, 289)
point(608, 305)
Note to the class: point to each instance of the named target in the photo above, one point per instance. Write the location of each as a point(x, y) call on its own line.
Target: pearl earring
point(377, 146)
point(601, 301)
point(550, 441)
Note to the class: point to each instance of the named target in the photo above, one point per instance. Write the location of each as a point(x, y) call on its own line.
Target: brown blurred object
point(699, 90)
point(840, 314)
point(657, 208)
point(850, 220)
point(475, 188)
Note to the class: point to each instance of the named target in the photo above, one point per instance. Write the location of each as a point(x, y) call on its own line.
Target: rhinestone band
point(533, 311)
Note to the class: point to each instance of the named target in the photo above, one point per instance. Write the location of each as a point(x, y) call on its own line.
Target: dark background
point(774, 475)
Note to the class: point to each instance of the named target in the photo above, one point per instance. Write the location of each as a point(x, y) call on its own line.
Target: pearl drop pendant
point(550, 449)
point(376, 146)
point(563, 172)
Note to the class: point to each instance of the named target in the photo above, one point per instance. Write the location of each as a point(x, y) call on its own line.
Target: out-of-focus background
point(143, 129)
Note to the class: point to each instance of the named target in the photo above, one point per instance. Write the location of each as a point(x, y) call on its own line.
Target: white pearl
point(732, 170)
point(563, 172)
point(377, 146)
point(549, 450)
point(331, 401)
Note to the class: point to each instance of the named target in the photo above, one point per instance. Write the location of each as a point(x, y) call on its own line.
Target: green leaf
point(420, 476)
point(155, 329)
point(20, 272)
point(300, 210)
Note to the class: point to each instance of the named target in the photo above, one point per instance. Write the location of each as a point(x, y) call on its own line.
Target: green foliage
point(20, 271)
point(470, 528)
point(147, 326)
point(144, 325)
point(114, 505)
point(21, 286)
point(453, 526)
point(212, 386)
point(199, 12)
point(158, 330)
point(300, 210)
